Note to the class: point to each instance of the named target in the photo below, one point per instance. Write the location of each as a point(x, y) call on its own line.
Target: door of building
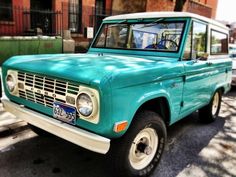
point(41, 15)
point(100, 13)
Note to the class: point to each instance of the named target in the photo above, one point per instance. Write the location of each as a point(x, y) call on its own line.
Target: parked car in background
point(142, 73)
point(232, 54)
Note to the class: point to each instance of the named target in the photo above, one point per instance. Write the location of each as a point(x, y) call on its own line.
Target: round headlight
point(11, 82)
point(85, 104)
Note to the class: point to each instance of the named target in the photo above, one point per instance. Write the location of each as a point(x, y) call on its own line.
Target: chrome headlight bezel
point(11, 85)
point(93, 95)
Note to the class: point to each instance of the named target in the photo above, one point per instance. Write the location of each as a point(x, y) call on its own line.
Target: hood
point(84, 68)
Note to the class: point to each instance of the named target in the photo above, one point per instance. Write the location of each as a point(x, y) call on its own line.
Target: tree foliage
point(179, 5)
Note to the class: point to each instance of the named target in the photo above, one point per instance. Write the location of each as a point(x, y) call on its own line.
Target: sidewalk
point(8, 121)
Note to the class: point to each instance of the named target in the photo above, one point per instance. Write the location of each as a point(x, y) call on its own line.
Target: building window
point(219, 43)
point(75, 15)
point(6, 10)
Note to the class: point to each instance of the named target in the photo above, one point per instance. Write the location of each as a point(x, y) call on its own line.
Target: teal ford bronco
point(142, 73)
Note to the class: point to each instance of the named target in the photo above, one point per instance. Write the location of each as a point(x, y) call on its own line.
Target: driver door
point(196, 91)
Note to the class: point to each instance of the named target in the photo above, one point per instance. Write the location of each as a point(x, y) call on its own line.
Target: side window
point(101, 41)
point(188, 48)
point(117, 36)
point(113, 36)
point(219, 43)
point(196, 41)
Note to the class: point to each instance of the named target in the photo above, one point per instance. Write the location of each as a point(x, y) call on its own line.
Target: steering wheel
point(161, 45)
point(172, 45)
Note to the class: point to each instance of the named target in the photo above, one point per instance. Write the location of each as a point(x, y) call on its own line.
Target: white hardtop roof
point(167, 14)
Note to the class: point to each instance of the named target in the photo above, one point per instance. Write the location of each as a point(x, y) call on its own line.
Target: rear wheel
point(211, 111)
point(138, 152)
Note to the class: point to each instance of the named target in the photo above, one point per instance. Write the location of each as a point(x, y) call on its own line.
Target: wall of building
point(129, 6)
point(11, 26)
point(199, 8)
point(213, 4)
point(160, 5)
point(109, 6)
point(87, 11)
point(25, 3)
point(202, 7)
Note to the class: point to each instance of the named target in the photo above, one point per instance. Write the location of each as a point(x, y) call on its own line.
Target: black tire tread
point(119, 146)
point(205, 113)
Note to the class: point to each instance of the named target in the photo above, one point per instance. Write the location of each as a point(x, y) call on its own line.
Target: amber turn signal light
point(120, 126)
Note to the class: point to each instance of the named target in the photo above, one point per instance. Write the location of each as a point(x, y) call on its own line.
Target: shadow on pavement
point(41, 156)
point(188, 144)
point(51, 156)
point(187, 139)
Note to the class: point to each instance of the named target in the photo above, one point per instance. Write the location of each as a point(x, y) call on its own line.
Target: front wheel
point(210, 112)
point(138, 152)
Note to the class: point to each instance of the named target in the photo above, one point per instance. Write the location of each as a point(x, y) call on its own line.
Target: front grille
point(45, 90)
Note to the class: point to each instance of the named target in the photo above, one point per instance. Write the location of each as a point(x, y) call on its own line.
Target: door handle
point(209, 63)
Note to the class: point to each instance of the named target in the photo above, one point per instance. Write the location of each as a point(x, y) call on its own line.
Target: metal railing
point(21, 21)
point(17, 21)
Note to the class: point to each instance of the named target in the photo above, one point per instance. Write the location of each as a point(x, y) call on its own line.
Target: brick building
point(23, 17)
point(202, 7)
point(20, 16)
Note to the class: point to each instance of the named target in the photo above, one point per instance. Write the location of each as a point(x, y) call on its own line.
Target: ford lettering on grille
point(45, 90)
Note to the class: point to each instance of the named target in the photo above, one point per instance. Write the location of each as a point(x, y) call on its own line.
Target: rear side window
point(219, 43)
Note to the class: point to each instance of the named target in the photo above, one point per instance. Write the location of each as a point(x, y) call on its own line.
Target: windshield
point(157, 36)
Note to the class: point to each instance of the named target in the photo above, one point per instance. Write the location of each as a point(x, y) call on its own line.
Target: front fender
point(132, 98)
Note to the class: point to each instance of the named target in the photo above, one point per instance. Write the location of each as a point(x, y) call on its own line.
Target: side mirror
point(203, 56)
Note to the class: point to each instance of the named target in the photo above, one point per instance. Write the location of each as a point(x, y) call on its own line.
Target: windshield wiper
point(152, 23)
point(123, 21)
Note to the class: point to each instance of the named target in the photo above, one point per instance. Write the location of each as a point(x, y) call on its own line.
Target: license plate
point(64, 113)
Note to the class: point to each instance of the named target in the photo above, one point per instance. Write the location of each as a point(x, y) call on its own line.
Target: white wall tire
point(138, 152)
point(215, 103)
point(143, 148)
point(210, 112)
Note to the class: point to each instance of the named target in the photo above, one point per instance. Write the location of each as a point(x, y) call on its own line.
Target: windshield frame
point(184, 21)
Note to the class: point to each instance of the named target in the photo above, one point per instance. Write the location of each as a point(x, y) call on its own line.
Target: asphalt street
point(193, 150)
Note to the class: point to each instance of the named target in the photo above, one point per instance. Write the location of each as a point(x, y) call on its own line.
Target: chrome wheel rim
point(143, 148)
point(215, 103)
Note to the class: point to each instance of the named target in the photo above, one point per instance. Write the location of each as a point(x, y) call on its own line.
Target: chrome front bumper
point(63, 130)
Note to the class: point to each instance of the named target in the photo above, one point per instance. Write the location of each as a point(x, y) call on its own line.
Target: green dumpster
point(50, 45)
point(27, 45)
point(8, 48)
